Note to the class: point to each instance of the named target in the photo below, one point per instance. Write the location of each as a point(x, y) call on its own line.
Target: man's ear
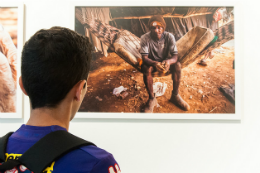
point(21, 85)
point(80, 86)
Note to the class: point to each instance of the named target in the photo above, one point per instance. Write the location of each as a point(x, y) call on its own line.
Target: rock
point(190, 96)
point(99, 99)
point(108, 75)
point(229, 92)
point(199, 91)
point(123, 95)
point(132, 78)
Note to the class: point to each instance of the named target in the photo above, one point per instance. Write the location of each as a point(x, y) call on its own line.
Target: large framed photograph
point(168, 62)
point(11, 42)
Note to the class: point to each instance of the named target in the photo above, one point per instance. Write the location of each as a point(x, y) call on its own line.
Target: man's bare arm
point(173, 59)
point(148, 61)
point(170, 61)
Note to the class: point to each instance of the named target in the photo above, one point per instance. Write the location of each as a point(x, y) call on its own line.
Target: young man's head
point(157, 26)
point(53, 62)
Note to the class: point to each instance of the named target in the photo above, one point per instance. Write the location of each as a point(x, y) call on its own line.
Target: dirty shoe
point(176, 99)
point(150, 105)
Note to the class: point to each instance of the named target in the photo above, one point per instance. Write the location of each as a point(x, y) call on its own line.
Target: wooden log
point(164, 16)
point(224, 34)
point(192, 43)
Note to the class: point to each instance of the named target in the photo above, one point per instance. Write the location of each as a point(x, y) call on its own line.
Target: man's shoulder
point(95, 152)
point(89, 152)
point(169, 35)
point(146, 36)
point(86, 158)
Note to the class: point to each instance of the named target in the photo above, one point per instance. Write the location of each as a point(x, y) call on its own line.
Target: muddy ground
point(199, 86)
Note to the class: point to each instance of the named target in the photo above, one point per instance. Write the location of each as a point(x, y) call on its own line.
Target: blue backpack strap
point(46, 150)
point(3, 144)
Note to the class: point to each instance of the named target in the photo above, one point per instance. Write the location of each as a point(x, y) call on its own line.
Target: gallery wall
point(181, 146)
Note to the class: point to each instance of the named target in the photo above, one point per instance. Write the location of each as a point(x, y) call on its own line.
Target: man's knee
point(147, 70)
point(176, 67)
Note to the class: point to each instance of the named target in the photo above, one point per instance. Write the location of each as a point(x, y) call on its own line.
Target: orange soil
point(199, 86)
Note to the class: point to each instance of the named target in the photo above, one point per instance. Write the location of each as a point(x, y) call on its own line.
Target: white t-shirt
point(159, 50)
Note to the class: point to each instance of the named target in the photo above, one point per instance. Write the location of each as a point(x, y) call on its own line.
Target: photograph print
point(159, 59)
point(10, 97)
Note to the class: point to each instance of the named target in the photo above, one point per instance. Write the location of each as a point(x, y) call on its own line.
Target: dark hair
point(53, 61)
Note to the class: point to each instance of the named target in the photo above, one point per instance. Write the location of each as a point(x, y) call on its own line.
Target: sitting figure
point(159, 53)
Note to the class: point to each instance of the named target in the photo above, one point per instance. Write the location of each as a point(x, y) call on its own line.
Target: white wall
point(182, 146)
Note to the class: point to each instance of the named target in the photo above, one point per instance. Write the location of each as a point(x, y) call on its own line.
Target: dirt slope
point(199, 86)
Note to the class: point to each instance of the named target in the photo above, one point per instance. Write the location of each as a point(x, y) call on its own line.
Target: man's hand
point(166, 65)
point(162, 67)
point(159, 67)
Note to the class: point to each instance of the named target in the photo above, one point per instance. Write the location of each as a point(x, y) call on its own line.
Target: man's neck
point(50, 116)
point(155, 38)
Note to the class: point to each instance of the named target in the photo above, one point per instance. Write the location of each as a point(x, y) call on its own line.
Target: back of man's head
point(53, 61)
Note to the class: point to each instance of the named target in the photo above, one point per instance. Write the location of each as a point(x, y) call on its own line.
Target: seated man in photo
point(159, 53)
point(54, 73)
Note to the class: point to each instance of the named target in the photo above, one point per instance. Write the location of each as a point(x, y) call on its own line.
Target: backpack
point(41, 154)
